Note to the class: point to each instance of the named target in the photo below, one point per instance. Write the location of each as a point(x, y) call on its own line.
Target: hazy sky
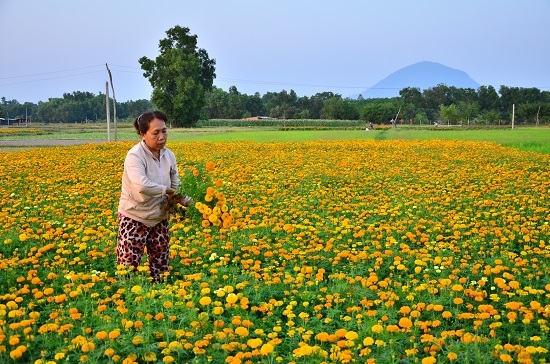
point(60, 46)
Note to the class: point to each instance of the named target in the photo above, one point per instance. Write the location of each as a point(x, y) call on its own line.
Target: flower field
point(316, 252)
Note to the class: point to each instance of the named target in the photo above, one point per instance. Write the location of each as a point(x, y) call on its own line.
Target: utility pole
point(114, 99)
point(107, 111)
point(513, 114)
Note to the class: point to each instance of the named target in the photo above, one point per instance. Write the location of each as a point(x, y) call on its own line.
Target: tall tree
point(180, 76)
point(448, 113)
point(488, 98)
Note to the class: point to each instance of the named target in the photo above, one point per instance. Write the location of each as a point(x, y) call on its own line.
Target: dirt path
point(15, 145)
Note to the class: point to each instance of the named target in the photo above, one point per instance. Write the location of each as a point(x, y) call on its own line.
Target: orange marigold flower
point(405, 322)
point(102, 335)
point(210, 166)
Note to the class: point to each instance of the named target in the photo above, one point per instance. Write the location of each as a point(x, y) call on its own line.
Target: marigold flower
point(205, 301)
point(241, 331)
point(231, 298)
point(377, 328)
point(102, 335)
point(405, 322)
point(368, 341)
point(210, 166)
point(452, 356)
point(267, 349)
point(351, 335)
point(254, 343)
point(114, 334)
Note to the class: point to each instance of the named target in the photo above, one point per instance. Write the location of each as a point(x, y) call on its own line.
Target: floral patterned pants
point(134, 237)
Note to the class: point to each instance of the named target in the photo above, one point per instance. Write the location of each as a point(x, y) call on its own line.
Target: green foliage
point(194, 182)
point(180, 75)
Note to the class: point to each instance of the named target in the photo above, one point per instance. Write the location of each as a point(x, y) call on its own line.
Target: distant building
point(12, 121)
point(258, 118)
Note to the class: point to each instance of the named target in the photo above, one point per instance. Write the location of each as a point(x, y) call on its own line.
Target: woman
point(150, 176)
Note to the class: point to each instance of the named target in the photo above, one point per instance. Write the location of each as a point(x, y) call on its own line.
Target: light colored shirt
point(144, 183)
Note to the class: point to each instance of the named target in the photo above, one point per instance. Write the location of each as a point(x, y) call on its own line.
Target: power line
point(47, 79)
point(48, 73)
point(60, 76)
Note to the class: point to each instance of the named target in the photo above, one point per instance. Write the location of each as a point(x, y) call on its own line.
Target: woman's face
point(156, 136)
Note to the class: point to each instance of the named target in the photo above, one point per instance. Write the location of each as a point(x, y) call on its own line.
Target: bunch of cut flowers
point(197, 198)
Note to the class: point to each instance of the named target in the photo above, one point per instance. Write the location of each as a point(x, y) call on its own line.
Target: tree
point(488, 98)
point(468, 110)
point(377, 113)
point(235, 106)
point(448, 113)
point(180, 76)
point(253, 105)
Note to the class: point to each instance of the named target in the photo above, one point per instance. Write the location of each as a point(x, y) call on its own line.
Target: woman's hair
point(141, 123)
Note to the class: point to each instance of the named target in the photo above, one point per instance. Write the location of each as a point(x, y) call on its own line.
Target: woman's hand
point(186, 201)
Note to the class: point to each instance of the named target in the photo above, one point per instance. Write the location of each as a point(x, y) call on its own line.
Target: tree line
point(442, 104)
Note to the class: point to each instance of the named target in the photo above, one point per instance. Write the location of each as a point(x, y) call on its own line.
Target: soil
point(15, 145)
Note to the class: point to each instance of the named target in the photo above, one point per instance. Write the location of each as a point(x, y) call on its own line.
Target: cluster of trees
point(437, 104)
point(442, 104)
point(73, 107)
point(182, 78)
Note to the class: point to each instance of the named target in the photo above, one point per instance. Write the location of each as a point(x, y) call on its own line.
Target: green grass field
point(536, 139)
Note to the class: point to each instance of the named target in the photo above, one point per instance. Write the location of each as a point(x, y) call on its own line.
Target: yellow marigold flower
point(241, 331)
point(137, 340)
point(150, 356)
point(368, 341)
point(254, 343)
point(168, 359)
point(205, 301)
point(217, 310)
point(377, 328)
point(429, 360)
point(266, 349)
point(232, 298)
point(351, 335)
point(452, 356)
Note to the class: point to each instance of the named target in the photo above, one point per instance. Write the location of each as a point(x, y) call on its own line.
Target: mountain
point(423, 75)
